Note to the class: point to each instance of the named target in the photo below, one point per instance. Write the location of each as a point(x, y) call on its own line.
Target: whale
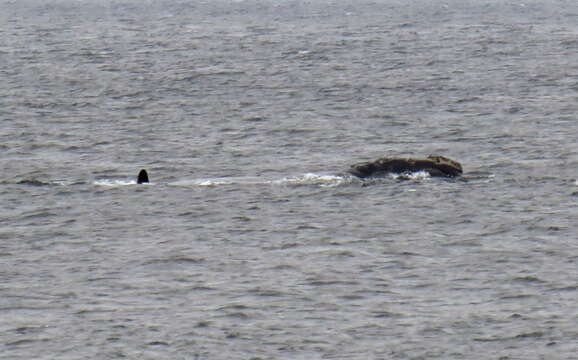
point(434, 165)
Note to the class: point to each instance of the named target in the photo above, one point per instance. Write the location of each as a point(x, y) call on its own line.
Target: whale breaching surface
point(143, 177)
point(434, 165)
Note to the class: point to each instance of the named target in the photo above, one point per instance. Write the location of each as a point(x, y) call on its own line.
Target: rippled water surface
point(249, 242)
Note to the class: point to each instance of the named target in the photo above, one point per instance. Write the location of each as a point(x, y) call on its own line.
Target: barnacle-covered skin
point(435, 165)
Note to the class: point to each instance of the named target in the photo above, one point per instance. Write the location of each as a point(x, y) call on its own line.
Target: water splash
point(418, 175)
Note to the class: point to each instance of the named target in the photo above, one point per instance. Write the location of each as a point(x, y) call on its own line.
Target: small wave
point(36, 182)
point(33, 182)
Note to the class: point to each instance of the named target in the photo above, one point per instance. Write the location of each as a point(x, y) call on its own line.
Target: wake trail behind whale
point(305, 179)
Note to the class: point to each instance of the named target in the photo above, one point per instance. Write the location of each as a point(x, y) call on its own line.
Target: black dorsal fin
point(143, 177)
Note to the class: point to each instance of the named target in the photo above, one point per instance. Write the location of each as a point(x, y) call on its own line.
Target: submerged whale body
point(143, 177)
point(435, 165)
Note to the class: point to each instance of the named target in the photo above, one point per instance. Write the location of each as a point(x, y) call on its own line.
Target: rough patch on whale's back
point(442, 160)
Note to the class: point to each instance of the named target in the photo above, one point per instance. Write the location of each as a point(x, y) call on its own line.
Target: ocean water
point(249, 242)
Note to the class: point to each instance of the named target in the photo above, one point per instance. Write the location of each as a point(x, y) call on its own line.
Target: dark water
point(248, 245)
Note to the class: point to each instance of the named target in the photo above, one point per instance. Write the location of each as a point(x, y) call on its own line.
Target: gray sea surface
point(249, 242)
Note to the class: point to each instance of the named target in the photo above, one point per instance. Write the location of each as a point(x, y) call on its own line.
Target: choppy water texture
point(248, 244)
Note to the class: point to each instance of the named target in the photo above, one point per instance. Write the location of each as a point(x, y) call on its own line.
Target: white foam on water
point(418, 175)
point(311, 179)
point(115, 182)
point(218, 181)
